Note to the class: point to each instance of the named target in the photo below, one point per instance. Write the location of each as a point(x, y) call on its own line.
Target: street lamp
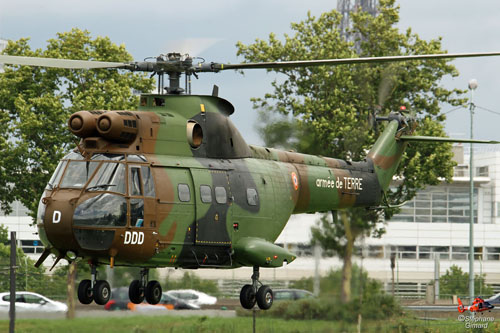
point(472, 87)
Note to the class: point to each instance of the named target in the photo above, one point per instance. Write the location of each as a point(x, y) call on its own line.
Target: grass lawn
point(139, 324)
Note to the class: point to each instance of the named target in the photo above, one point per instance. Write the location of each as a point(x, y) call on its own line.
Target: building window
point(493, 253)
point(439, 205)
point(375, 251)
point(482, 171)
point(459, 252)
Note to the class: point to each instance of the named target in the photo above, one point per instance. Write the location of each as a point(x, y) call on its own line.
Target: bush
point(330, 284)
point(191, 281)
point(376, 307)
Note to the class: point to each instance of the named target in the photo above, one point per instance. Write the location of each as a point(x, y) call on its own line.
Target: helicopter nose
point(57, 221)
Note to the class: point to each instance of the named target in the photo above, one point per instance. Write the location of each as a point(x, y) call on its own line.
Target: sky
point(212, 28)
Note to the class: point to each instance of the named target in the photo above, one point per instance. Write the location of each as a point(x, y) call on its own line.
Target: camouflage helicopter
point(174, 184)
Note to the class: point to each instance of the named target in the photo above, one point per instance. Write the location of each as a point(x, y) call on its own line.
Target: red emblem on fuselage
point(295, 181)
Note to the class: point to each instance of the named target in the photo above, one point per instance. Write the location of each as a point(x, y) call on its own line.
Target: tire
point(102, 292)
point(85, 292)
point(153, 292)
point(136, 292)
point(265, 297)
point(247, 297)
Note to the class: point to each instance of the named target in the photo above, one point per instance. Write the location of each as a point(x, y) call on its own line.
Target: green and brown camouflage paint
point(253, 190)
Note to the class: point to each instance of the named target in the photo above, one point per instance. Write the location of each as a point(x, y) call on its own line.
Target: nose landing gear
point(140, 289)
point(94, 290)
point(252, 293)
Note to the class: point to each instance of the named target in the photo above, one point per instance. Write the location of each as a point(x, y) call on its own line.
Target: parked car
point(192, 297)
point(120, 301)
point(177, 303)
point(31, 302)
point(291, 294)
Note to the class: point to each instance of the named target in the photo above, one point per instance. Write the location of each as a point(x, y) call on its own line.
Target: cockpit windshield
point(78, 173)
point(74, 172)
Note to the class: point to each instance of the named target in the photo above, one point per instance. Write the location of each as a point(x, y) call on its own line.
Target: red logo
point(295, 181)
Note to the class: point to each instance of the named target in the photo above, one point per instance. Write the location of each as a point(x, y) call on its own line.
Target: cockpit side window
point(134, 181)
point(109, 177)
point(148, 180)
point(56, 177)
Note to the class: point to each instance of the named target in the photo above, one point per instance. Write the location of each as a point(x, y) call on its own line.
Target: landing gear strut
point(140, 289)
point(93, 289)
point(252, 293)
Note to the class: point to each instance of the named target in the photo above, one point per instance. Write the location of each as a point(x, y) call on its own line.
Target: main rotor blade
point(307, 63)
point(60, 63)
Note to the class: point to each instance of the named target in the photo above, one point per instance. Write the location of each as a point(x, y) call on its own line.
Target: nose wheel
point(94, 290)
point(256, 293)
point(140, 289)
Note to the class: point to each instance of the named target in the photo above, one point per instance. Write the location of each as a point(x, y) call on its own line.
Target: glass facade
point(438, 204)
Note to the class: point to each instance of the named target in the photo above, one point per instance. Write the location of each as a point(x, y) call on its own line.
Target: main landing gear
point(100, 291)
point(140, 289)
point(252, 293)
point(94, 290)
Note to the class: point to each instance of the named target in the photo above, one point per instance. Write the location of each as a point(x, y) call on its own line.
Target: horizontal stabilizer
point(252, 251)
point(411, 138)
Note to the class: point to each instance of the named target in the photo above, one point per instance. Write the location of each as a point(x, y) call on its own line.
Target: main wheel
point(85, 292)
point(102, 292)
point(136, 292)
point(265, 297)
point(153, 292)
point(247, 297)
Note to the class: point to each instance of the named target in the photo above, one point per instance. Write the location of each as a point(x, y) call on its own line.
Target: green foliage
point(37, 103)
point(374, 307)
point(330, 284)
point(4, 234)
point(28, 277)
point(191, 281)
point(456, 282)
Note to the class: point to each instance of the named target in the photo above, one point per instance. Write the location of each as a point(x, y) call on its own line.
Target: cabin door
point(213, 207)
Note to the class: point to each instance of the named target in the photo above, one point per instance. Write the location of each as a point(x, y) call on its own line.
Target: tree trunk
point(71, 290)
point(345, 295)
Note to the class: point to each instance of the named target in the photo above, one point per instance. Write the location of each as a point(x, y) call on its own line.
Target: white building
point(3, 45)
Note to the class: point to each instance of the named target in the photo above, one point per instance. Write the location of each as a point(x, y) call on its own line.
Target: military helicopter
point(174, 184)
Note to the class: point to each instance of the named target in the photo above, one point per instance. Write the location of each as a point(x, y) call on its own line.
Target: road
point(121, 313)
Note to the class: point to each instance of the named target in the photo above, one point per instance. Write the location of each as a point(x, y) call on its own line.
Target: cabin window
point(205, 193)
point(109, 177)
point(184, 193)
point(252, 197)
point(220, 195)
point(158, 101)
point(134, 181)
point(147, 178)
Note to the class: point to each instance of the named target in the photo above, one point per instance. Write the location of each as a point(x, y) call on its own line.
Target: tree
point(37, 102)
point(333, 105)
point(456, 282)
